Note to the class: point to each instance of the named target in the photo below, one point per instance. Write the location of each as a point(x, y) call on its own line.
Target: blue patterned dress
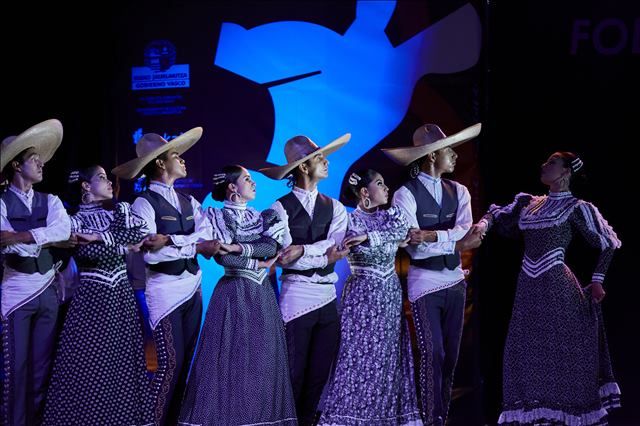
point(373, 383)
point(99, 373)
point(240, 373)
point(556, 362)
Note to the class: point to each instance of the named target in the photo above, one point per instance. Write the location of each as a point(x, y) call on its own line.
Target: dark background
point(533, 94)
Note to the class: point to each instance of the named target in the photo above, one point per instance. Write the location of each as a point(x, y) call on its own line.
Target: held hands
point(417, 236)
point(154, 242)
point(208, 248)
point(290, 254)
point(334, 253)
point(267, 263)
point(86, 238)
point(597, 292)
point(404, 242)
point(230, 248)
point(8, 238)
point(471, 240)
point(354, 240)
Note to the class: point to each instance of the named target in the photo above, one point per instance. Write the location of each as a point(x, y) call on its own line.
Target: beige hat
point(45, 137)
point(299, 149)
point(429, 138)
point(151, 145)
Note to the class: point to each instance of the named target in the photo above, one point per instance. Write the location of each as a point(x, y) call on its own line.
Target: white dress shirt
point(19, 288)
point(422, 281)
point(301, 294)
point(165, 293)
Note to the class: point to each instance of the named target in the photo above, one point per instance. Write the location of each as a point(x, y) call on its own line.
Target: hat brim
point(44, 137)
point(279, 172)
point(180, 144)
point(406, 156)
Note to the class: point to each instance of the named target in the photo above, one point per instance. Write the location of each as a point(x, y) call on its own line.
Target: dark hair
point(574, 163)
point(75, 178)
point(358, 180)
point(150, 170)
point(9, 172)
point(222, 179)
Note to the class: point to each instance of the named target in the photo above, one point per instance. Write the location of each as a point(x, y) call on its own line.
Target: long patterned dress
point(99, 373)
point(240, 374)
point(373, 383)
point(556, 361)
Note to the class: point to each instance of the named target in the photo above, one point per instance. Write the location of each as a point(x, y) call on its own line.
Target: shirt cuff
point(443, 236)
point(179, 240)
point(39, 237)
point(188, 252)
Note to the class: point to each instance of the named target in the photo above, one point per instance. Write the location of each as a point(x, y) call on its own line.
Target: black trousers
point(175, 338)
point(28, 342)
point(312, 343)
point(438, 318)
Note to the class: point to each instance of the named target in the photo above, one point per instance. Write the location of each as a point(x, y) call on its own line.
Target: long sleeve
point(185, 246)
point(394, 230)
point(404, 200)
point(127, 227)
point(505, 219)
point(58, 228)
point(236, 261)
point(588, 222)
point(58, 225)
point(269, 241)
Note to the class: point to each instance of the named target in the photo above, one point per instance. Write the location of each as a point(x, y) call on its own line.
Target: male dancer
point(316, 226)
point(178, 231)
point(29, 222)
point(439, 211)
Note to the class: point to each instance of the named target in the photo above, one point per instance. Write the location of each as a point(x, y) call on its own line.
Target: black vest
point(434, 217)
point(170, 221)
point(306, 231)
point(21, 220)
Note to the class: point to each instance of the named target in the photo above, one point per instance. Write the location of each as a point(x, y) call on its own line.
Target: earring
point(236, 195)
point(414, 170)
point(367, 203)
point(86, 198)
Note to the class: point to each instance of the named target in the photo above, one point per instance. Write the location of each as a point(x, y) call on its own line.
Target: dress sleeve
point(588, 222)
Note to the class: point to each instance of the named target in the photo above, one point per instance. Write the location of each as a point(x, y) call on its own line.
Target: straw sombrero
point(44, 137)
point(150, 146)
point(430, 138)
point(299, 149)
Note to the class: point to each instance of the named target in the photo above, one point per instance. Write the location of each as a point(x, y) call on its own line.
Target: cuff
point(247, 250)
point(39, 237)
point(187, 252)
point(107, 238)
point(597, 278)
point(443, 236)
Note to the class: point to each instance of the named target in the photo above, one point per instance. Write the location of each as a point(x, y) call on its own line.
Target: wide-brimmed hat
point(44, 137)
point(299, 149)
point(430, 138)
point(152, 145)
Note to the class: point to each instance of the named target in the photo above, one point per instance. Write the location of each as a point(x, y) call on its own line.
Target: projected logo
point(324, 84)
point(160, 70)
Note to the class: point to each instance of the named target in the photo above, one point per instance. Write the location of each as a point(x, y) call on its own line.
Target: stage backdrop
point(255, 74)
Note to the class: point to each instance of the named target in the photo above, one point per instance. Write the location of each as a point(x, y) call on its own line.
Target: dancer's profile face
point(244, 186)
point(377, 191)
point(553, 169)
point(99, 186)
point(445, 160)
